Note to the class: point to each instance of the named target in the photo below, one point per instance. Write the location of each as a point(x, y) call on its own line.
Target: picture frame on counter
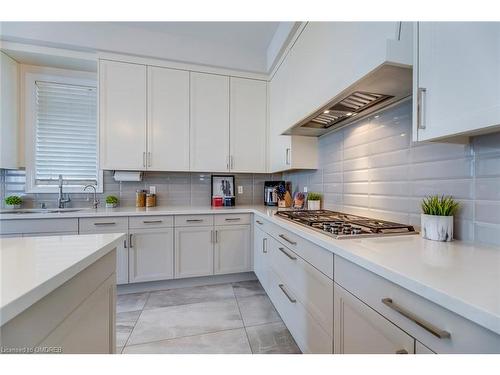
point(223, 186)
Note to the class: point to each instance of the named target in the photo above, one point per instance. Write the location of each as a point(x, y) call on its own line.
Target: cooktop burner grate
point(341, 225)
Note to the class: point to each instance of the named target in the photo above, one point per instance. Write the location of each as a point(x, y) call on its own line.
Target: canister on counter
point(150, 200)
point(140, 198)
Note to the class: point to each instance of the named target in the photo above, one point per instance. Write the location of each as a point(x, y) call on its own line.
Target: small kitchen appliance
point(270, 196)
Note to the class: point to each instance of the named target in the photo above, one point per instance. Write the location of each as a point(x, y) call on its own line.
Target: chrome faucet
point(61, 199)
point(95, 202)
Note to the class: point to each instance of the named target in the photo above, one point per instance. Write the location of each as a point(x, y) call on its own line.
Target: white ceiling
point(246, 46)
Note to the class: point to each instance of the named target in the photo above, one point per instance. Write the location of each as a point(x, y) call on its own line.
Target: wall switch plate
point(152, 189)
point(240, 189)
point(305, 189)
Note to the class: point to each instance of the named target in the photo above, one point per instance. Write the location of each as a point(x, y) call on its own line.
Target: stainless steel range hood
point(382, 87)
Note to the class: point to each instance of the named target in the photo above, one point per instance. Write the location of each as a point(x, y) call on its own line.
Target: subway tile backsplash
point(172, 189)
point(372, 168)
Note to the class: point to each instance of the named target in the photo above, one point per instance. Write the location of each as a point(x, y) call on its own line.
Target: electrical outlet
point(305, 189)
point(152, 189)
point(240, 189)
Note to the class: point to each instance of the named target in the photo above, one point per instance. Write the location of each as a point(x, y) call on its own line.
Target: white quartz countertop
point(462, 277)
point(32, 267)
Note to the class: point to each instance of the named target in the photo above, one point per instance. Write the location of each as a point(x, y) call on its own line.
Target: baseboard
point(183, 283)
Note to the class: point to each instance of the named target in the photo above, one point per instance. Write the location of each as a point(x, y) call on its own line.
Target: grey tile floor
point(226, 319)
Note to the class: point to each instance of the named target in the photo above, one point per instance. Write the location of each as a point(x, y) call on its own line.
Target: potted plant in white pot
point(13, 202)
point(313, 201)
point(111, 201)
point(437, 217)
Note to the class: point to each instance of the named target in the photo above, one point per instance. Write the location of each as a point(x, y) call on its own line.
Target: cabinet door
point(209, 122)
point(151, 255)
point(122, 115)
point(168, 119)
point(9, 105)
point(458, 66)
point(248, 125)
point(194, 252)
point(260, 249)
point(358, 329)
point(232, 249)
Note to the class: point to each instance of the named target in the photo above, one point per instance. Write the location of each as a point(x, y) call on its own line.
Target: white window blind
point(65, 134)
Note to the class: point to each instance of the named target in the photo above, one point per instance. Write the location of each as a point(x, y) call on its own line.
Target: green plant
point(111, 199)
point(440, 206)
point(13, 200)
point(314, 196)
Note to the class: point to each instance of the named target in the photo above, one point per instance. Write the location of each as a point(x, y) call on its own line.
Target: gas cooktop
point(341, 226)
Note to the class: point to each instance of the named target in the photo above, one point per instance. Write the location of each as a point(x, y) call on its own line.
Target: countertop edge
point(25, 301)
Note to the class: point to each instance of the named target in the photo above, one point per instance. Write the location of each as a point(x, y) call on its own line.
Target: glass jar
point(140, 198)
point(150, 200)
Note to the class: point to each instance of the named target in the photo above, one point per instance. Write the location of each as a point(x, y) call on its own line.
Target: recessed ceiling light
point(348, 114)
point(327, 111)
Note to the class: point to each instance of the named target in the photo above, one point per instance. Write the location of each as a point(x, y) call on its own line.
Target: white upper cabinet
point(168, 119)
point(9, 106)
point(248, 125)
point(122, 109)
point(456, 79)
point(209, 122)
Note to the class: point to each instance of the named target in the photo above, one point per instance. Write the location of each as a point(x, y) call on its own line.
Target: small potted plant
point(111, 201)
point(437, 217)
point(13, 202)
point(313, 201)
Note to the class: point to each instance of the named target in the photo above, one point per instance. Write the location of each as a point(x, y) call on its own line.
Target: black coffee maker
point(270, 196)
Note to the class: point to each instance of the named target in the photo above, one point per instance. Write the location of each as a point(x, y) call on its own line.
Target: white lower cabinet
point(194, 251)
point(361, 330)
point(151, 254)
point(422, 349)
point(232, 249)
point(260, 256)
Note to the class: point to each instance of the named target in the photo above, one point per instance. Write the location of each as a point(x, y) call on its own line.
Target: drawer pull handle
point(290, 298)
point(264, 245)
point(130, 240)
point(233, 218)
point(402, 351)
point(109, 223)
point(439, 333)
point(288, 240)
point(259, 222)
point(287, 254)
point(194, 220)
point(152, 221)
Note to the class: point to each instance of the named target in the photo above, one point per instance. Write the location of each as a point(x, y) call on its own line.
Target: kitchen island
point(58, 294)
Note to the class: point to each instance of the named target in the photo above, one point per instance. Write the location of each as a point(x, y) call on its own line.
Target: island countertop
point(32, 267)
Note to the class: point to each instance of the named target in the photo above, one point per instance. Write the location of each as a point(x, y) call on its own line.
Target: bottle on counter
point(140, 198)
point(150, 200)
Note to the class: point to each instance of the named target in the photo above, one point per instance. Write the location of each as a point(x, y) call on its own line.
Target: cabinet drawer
point(103, 224)
point(306, 331)
point(228, 219)
point(320, 258)
point(261, 223)
point(193, 220)
point(313, 289)
point(38, 226)
point(387, 298)
point(139, 222)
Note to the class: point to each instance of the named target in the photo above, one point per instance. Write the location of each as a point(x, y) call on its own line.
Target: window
point(62, 134)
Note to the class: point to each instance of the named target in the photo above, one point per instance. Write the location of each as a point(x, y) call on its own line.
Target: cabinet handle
point(402, 351)
point(144, 159)
point(287, 156)
point(439, 333)
point(287, 239)
point(130, 241)
point(125, 244)
point(107, 223)
point(264, 245)
point(216, 236)
point(290, 298)
point(233, 219)
point(152, 221)
point(286, 253)
point(421, 107)
point(259, 222)
point(149, 159)
point(194, 220)
point(231, 162)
